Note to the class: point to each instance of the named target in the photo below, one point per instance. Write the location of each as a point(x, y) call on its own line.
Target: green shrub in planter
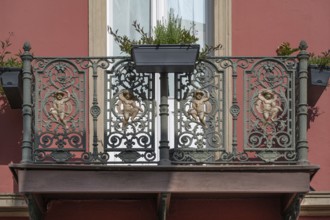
point(10, 75)
point(165, 33)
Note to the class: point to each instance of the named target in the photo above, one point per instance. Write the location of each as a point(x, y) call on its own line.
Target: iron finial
point(27, 46)
point(303, 45)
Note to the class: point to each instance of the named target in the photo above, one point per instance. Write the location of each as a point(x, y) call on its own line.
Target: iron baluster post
point(234, 110)
point(302, 145)
point(164, 149)
point(95, 112)
point(27, 104)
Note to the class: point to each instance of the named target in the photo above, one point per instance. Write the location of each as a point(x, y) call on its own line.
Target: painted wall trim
point(223, 35)
point(13, 205)
point(316, 203)
point(223, 26)
point(97, 20)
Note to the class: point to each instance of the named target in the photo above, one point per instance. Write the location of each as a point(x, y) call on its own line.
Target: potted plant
point(10, 75)
point(172, 48)
point(319, 66)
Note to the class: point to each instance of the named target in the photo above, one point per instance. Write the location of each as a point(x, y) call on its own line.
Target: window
point(197, 14)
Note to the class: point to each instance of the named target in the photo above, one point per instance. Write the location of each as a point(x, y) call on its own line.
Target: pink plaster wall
point(54, 28)
point(258, 28)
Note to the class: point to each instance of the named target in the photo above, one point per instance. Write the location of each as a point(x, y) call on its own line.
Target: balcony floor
point(43, 178)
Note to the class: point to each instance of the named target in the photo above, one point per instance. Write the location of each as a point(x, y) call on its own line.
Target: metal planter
point(165, 58)
point(11, 80)
point(319, 75)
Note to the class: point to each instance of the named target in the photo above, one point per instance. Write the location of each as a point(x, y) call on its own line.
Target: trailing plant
point(165, 32)
point(285, 49)
point(6, 57)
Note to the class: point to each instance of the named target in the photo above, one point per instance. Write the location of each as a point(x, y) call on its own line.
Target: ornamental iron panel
point(59, 110)
point(267, 101)
point(129, 114)
point(199, 115)
point(269, 109)
point(229, 110)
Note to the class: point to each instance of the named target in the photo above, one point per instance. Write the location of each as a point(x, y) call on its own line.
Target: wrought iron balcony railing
point(229, 110)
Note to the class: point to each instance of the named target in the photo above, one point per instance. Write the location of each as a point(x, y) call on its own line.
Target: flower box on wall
point(11, 81)
point(165, 58)
point(319, 75)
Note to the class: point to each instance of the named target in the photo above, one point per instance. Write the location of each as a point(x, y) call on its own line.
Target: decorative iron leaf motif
point(61, 156)
point(269, 156)
point(129, 156)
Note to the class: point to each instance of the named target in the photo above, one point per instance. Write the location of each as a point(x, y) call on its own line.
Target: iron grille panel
point(129, 114)
point(204, 101)
point(59, 101)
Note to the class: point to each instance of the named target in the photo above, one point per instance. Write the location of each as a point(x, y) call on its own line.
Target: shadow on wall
point(312, 113)
point(314, 94)
point(10, 133)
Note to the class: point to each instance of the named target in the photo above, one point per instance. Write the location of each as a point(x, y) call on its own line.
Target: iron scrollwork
point(269, 110)
point(201, 112)
point(199, 115)
point(130, 120)
point(59, 116)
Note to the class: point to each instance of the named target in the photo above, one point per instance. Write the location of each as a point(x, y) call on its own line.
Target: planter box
point(319, 76)
point(11, 80)
point(165, 58)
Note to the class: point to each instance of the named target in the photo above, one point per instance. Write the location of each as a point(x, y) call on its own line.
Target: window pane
point(192, 13)
point(122, 13)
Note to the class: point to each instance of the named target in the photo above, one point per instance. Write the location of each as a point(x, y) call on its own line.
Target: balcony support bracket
point(36, 207)
point(292, 207)
point(163, 205)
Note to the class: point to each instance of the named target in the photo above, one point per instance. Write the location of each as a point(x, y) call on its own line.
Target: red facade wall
point(54, 28)
point(259, 27)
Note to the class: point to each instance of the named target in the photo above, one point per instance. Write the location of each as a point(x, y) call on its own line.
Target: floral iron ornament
point(127, 106)
point(267, 105)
